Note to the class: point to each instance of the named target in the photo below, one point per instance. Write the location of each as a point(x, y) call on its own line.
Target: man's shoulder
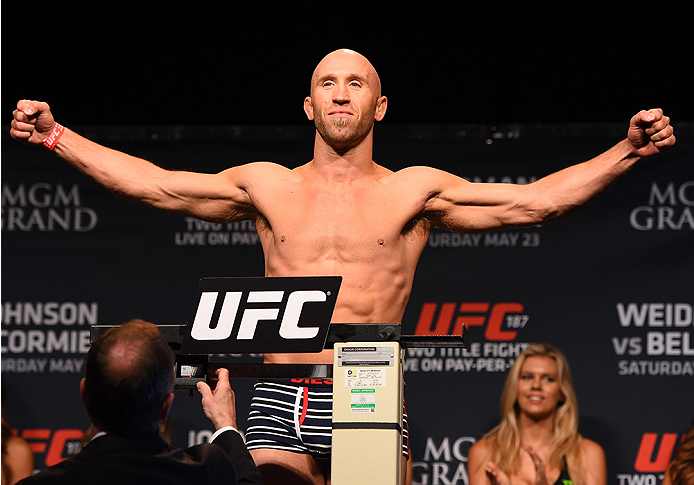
point(422, 179)
point(172, 465)
point(420, 171)
point(57, 474)
point(266, 171)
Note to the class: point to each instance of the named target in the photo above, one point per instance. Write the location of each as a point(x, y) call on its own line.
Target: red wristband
point(53, 138)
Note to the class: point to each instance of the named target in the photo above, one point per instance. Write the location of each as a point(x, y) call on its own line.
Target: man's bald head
point(346, 59)
point(128, 376)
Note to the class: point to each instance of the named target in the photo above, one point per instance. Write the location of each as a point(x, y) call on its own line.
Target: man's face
point(345, 99)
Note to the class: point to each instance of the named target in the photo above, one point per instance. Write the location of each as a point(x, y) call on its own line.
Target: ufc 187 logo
point(501, 321)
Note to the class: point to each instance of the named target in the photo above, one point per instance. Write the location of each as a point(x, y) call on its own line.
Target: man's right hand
point(219, 404)
point(32, 122)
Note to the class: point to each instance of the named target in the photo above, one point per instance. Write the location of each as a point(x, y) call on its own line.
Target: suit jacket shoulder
point(117, 460)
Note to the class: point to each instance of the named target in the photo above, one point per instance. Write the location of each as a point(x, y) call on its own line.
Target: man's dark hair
point(128, 375)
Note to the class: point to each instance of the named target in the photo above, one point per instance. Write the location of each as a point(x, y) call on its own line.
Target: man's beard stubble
point(338, 133)
point(340, 123)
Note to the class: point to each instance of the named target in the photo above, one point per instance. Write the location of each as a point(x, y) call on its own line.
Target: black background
point(231, 63)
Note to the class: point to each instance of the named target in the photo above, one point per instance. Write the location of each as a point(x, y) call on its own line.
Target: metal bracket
point(190, 369)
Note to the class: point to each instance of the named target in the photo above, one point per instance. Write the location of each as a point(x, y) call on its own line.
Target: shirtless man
point(341, 213)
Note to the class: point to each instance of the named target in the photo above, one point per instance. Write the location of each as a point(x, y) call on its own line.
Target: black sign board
point(261, 315)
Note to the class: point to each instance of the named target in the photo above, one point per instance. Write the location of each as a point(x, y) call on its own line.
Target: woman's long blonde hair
point(505, 438)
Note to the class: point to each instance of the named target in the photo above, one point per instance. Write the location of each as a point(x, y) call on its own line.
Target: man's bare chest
point(345, 221)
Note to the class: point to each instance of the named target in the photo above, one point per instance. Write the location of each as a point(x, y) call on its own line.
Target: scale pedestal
point(367, 413)
point(367, 369)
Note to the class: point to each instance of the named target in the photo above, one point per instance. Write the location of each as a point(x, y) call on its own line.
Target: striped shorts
point(296, 416)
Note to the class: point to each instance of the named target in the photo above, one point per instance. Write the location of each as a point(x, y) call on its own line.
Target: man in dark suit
point(128, 391)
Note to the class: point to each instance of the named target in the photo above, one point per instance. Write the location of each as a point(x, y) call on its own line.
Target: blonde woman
point(537, 441)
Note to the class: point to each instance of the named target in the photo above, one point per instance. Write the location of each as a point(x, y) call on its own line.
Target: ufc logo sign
point(260, 315)
point(289, 329)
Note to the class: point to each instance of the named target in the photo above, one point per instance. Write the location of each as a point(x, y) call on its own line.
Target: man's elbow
point(543, 209)
point(550, 212)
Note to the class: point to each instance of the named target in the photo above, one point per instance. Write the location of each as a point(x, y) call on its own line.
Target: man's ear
point(166, 407)
point(308, 107)
point(82, 384)
point(381, 107)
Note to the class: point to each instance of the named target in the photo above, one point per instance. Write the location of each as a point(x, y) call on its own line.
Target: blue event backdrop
point(611, 285)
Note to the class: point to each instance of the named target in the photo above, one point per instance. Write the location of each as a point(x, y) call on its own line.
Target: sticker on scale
point(363, 400)
point(360, 377)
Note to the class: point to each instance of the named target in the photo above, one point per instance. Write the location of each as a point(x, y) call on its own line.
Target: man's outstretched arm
point(216, 197)
point(459, 205)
